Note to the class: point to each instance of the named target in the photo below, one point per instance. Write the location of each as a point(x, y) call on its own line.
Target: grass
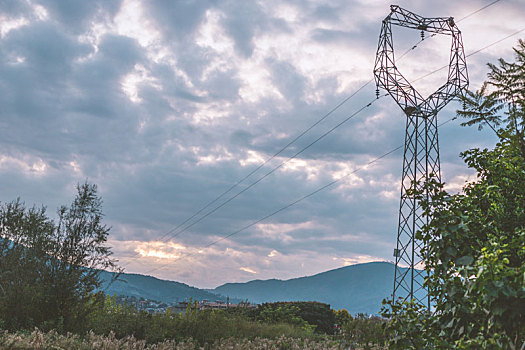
point(53, 340)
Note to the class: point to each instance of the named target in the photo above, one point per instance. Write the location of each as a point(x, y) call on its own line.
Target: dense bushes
point(269, 321)
point(362, 330)
point(301, 313)
point(204, 326)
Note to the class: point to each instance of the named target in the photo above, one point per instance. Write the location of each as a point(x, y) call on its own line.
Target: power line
point(335, 181)
point(281, 164)
point(473, 53)
point(496, 42)
point(271, 171)
point(206, 206)
point(330, 184)
point(479, 10)
point(269, 159)
point(169, 233)
point(287, 206)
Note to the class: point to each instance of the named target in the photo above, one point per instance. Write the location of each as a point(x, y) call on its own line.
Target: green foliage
point(363, 330)
point(48, 270)
point(301, 313)
point(24, 240)
point(203, 326)
point(506, 83)
point(49, 273)
point(285, 313)
point(475, 240)
point(410, 326)
point(342, 317)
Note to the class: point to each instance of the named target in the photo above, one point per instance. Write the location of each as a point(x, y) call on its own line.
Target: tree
point(507, 85)
point(25, 236)
point(49, 271)
point(475, 241)
point(301, 313)
point(342, 317)
point(79, 253)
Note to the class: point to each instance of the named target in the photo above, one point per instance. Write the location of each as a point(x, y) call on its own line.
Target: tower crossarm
point(388, 76)
point(404, 18)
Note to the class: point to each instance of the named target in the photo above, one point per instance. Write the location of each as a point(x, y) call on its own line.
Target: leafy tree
point(475, 241)
point(342, 317)
point(364, 330)
point(503, 91)
point(79, 253)
point(48, 270)
point(301, 313)
point(25, 236)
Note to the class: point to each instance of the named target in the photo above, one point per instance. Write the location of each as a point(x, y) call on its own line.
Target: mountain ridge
point(359, 288)
point(150, 287)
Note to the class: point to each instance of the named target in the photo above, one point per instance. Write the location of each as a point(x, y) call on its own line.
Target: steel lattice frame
point(421, 153)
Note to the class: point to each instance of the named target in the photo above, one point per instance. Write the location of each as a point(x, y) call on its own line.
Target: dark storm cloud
point(288, 80)
point(241, 22)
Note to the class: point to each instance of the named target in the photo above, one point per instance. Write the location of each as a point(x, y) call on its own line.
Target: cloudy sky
point(167, 104)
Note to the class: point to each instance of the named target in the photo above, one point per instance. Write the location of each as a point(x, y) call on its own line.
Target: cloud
point(247, 269)
point(167, 104)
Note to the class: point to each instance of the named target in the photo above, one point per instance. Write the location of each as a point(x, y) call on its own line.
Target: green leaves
point(48, 269)
point(465, 260)
point(475, 241)
point(480, 108)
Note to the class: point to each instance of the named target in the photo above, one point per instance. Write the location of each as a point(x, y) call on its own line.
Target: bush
point(363, 330)
point(204, 326)
point(301, 313)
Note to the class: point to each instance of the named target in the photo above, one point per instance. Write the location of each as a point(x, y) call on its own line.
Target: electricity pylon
point(421, 153)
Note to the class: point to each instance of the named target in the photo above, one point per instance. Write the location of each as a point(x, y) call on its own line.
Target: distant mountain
point(357, 288)
point(149, 287)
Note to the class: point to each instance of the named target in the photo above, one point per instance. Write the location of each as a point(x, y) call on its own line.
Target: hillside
point(149, 287)
point(357, 288)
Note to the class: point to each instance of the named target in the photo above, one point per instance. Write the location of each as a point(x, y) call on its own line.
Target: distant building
point(154, 306)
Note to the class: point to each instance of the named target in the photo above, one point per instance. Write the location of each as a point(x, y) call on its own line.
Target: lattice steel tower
point(421, 153)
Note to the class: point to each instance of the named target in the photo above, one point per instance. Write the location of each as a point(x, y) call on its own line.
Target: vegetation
point(203, 326)
point(48, 270)
point(475, 241)
point(53, 340)
point(317, 315)
point(49, 275)
point(121, 326)
point(363, 330)
point(474, 253)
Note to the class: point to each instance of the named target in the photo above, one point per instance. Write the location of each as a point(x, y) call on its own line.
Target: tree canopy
point(48, 270)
